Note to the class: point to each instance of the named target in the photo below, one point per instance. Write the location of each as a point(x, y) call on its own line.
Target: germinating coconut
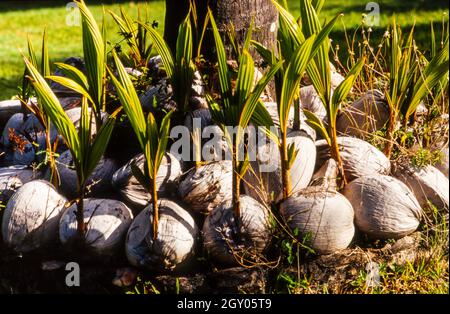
point(263, 181)
point(427, 183)
point(177, 234)
point(97, 185)
point(365, 116)
point(384, 206)
point(207, 186)
point(12, 178)
point(327, 176)
point(324, 219)
point(310, 100)
point(31, 218)
point(130, 188)
point(222, 240)
point(359, 157)
point(107, 222)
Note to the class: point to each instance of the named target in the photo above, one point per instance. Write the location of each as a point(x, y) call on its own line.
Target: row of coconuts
point(378, 200)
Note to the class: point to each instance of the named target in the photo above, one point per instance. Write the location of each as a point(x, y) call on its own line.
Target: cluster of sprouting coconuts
point(379, 200)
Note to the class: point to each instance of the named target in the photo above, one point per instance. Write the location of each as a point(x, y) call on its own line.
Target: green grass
point(19, 19)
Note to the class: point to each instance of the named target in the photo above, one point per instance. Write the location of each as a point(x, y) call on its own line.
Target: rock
point(384, 206)
point(97, 185)
point(12, 178)
point(323, 218)
point(263, 181)
point(225, 244)
point(359, 157)
point(107, 222)
point(365, 116)
point(177, 234)
point(207, 186)
point(135, 195)
point(427, 183)
point(30, 220)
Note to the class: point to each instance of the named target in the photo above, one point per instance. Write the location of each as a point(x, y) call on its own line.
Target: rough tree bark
point(226, 12)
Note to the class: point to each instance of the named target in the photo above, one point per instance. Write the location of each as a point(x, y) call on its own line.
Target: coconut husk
point(309, 100)
point(263, 181)
point(228, 245)
point(324, 219)
point(12, 178)
point(384, 206)
point(207, 186)
point(31, 217)
point(97, 185)
point(327, 176)
point(134, 194)
point(427, 183)
point(365, 116)
point(177, 234)
point(107, 222)
point(359, 157)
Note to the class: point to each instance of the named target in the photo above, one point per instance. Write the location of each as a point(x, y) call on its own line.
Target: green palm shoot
point(152, 139)
point(238, 107)
point(409, 84)
point(181, 68)
point(86, 148)
point(298, 54)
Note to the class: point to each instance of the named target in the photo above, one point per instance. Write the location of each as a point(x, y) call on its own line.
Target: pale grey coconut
point(442, 165)
point(31, 218)
point(107, 222)
point(324, 219)
point(309, 100)
point(135, 195)
point(359, 157)
point(177, 235)
point(97, 185)
point(227, 243)
point(365, 116)
point(263, 181)
point(327, 176)
point(205, 187)
point(384, 206)
point(427, 183)
point(12, 178)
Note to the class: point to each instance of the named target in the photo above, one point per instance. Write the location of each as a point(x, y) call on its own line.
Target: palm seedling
point(409, 84)
point(162, 248)
point(135, 37)
point(298, 54)
point(238, 107)
point(85, 149)
point(320, 75)
point(180, 67)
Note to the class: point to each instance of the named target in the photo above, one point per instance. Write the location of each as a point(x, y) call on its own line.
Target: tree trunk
point(226, 12)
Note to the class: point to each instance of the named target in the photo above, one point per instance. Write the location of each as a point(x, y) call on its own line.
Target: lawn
point(17, 20)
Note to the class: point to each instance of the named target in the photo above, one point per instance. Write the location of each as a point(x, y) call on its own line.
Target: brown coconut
point(323, 218)
point(207, 186)
point(135, 195)
point(97, 185)
point(177, 234)
point(107, 222)
point(359, 157)
point(384, 206)
point(31, 218)
point(267, 186)
point(12, 178)
point(227, 244)
point(427, 183)
point(365, 116)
